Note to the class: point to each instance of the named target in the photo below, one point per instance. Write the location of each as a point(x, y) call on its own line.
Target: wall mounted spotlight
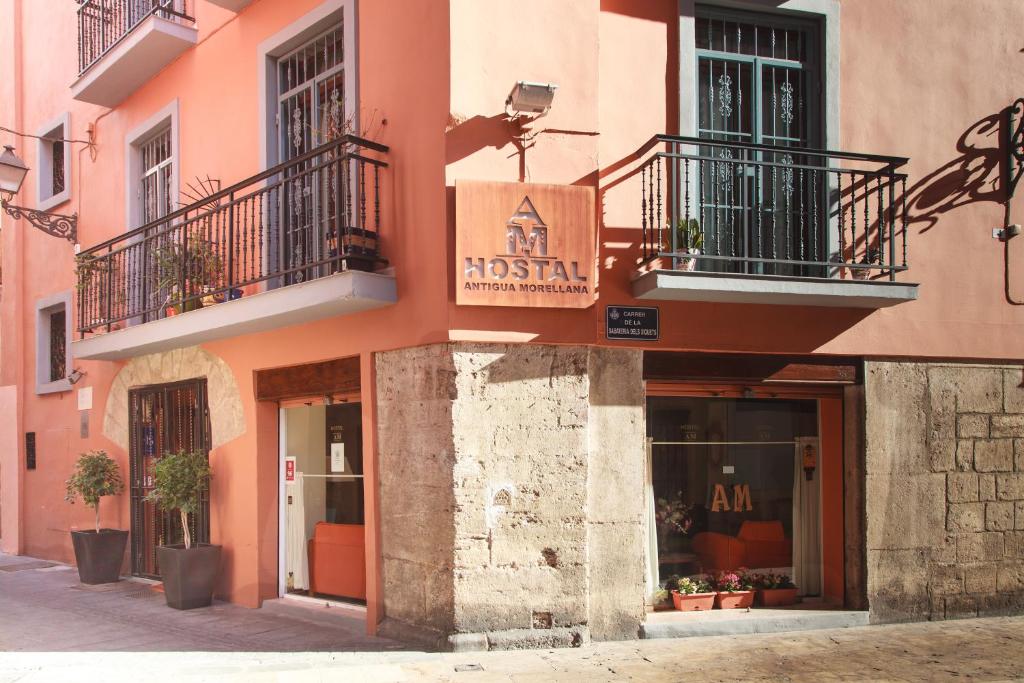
point(530, 98)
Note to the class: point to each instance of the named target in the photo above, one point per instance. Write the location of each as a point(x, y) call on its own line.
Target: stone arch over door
point(226, 418)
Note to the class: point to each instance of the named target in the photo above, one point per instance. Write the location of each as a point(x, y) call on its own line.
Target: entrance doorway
point(735, 485)
point(322, 519)
point(165, 418)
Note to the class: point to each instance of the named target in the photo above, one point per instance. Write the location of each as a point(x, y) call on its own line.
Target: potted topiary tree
point(98, 553)
point(189, 569)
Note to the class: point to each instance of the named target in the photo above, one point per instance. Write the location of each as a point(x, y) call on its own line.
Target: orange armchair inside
point(337, 560)
point(758, 544)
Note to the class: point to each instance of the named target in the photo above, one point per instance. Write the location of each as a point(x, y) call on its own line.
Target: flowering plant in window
point(672, 515)
point(771, 581)
point(732, 582)
point(691, 586)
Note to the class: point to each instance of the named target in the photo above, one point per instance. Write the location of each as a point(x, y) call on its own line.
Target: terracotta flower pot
point(734, 600)
point(693, 602)
point(776, 597)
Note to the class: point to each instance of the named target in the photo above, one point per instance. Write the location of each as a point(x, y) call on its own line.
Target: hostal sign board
point(521, 244)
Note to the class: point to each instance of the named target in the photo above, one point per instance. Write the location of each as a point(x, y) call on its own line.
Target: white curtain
point(296, 557)
point(652, 532)
point(806, 521)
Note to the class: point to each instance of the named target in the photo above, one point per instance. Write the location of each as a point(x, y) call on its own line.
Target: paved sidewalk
point(45, 608)
point(41, 609)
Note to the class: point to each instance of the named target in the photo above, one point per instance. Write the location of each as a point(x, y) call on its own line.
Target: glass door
point(323, 516)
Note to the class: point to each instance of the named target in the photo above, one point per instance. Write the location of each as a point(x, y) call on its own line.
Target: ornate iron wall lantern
point(12, 174)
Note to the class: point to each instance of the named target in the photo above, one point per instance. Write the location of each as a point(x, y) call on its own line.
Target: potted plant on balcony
point(186, 269)
point(689, 240)
point(693, 594)
point(734, 591)
point(189, 569)
point(98, 553)
point(775, 590)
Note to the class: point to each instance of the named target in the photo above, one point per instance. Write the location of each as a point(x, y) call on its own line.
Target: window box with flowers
point(735, 591)
point(775, 590)
point(693, 594)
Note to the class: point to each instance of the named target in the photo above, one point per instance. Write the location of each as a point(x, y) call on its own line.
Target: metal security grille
point(155, 183)
point(311, 96)
point(164, 419)
point(758, 83)
point(57, 161)
point(58, 345)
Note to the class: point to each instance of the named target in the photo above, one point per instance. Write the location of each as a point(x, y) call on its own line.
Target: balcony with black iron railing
point(124, 43)
point(734, 222)
point(297, 242)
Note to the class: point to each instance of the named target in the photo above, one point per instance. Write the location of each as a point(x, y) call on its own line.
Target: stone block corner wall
point(944, 490)
point(511, 494)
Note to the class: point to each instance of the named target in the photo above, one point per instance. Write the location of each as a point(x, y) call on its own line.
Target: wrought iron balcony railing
point(102, 24)
point(731, 207)
point(310, 217)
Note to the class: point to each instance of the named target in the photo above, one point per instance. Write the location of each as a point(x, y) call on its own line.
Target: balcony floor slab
point(677, 285)
point(340, 294)
point(148, 48)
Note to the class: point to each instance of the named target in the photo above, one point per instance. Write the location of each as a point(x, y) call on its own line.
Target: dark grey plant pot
point(189, 575)
point(99, 555)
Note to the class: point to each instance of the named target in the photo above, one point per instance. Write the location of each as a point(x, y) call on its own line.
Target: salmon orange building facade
point(494, 317)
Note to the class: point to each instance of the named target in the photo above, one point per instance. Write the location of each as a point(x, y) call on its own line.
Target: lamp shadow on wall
point(977, 174)
point(985, 169)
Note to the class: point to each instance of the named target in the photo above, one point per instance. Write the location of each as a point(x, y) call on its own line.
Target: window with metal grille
point(311, 112)
point(758, 91)
point(53, 181)
point(155, 191)
point(58, 345)
point(52, 354)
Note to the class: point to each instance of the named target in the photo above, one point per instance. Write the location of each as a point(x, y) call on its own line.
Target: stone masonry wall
point(524, 504)
point(945, 490)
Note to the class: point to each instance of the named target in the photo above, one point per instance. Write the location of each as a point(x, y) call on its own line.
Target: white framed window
point(825, 11)
point(53, 343)
point(322, 41)
point(151, 161)
point(53, 180)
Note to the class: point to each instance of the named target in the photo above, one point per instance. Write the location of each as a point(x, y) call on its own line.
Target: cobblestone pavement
point(41, 609)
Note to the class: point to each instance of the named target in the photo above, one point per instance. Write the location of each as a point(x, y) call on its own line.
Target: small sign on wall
point(632, 323)
point(337, 457)
point(289, 470)
point(85, 398)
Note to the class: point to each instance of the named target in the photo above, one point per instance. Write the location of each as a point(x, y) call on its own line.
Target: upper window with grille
point(155, 184)
point(758, 78)
point(53, 180)
point(311, 94)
